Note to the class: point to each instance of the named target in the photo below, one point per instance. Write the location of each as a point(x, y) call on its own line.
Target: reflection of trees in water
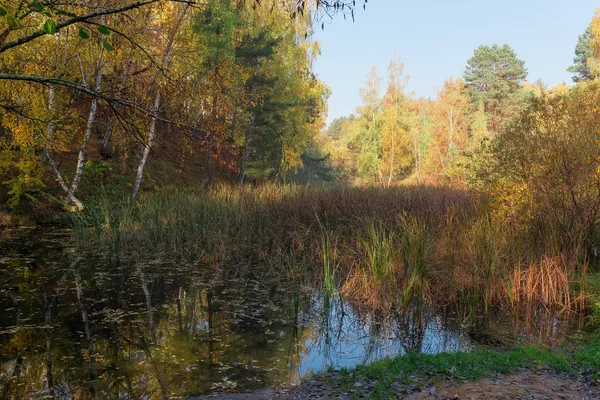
point(348, 333)
point(10, 379)
point(88, 330)
point(108, 329)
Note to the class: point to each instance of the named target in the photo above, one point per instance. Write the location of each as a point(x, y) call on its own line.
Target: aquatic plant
point(381, 247)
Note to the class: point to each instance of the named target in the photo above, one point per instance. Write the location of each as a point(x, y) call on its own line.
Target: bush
point(544, 169)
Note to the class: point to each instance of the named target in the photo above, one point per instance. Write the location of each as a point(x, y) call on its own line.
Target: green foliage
point(544, 168)
point(316, 167)
point(379, 247)
point(492, 75)
point(215, 26)
point(103, 30)
point(335, 128)
point(50, 27)
point(107, 45)
point(479, 129)
point(13, 22)
point(20, 171)
point(583, 51)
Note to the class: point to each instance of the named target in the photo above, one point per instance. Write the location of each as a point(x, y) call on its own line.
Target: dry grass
point(381, 247)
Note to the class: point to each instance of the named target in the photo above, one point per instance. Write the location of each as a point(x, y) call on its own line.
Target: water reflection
point(84, 327)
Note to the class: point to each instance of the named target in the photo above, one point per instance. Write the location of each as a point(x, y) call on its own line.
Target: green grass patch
point(382, 378)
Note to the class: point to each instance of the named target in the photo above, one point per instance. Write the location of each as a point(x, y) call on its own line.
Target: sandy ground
point(524, 385)
point(543, 385)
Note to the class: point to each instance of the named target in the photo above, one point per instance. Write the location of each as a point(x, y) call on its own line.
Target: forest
point(178, 218)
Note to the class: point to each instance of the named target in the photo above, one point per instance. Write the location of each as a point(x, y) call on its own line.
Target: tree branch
point(82, 18)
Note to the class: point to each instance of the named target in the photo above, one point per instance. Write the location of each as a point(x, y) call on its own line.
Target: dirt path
point(524, 385)
point(542, 385)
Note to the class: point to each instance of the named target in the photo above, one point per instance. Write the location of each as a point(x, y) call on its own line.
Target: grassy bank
point(380, 247)
point(383, 378)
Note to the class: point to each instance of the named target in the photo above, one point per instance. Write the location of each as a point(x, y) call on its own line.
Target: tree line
point(132, 95)
point(393, 137)
point(90, 93)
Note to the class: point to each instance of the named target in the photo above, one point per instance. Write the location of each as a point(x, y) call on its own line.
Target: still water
point(74, 326)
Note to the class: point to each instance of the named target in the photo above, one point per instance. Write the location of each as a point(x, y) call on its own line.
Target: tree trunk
point(48, 320)
point(247, 148)
point(152, 130)
point(148, 146)
point(47, 157)
point(88, 130)
point(391, 164)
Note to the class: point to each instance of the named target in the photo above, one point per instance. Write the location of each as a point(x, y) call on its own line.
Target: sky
point(435, 38)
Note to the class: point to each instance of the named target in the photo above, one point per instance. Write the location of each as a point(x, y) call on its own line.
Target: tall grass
point(414, 237)
point(328, 255)
point(383, 247)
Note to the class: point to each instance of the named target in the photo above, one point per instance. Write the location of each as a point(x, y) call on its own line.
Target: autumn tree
point(420, 135)
point(368, 140)
point(593, 61)
point(450, 125)
point(395, 141)
point(479, 131)
point(101, 87)
point(543, 169)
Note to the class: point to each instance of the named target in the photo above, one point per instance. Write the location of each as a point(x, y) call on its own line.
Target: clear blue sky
point(435, 38)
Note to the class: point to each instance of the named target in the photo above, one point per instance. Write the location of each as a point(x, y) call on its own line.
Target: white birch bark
point(152, 129)
point(70, 196)
point(88, 129)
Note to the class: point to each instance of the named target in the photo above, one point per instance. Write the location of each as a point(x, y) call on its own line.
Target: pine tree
point(492, 75)
point(583, 51)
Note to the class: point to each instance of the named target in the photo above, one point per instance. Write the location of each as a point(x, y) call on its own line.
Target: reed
point(383, 247)
point(328, 256)
point(417, 286)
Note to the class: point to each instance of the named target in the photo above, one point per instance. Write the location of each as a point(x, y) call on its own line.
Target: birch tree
point(395, 142)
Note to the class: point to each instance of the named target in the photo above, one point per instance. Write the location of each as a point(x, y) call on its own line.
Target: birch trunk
point(152, 130)
point(88, 330)
point(47, 157)
point(389, 182)
point(148, 146)
point(88, 130)
point(48, 320)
